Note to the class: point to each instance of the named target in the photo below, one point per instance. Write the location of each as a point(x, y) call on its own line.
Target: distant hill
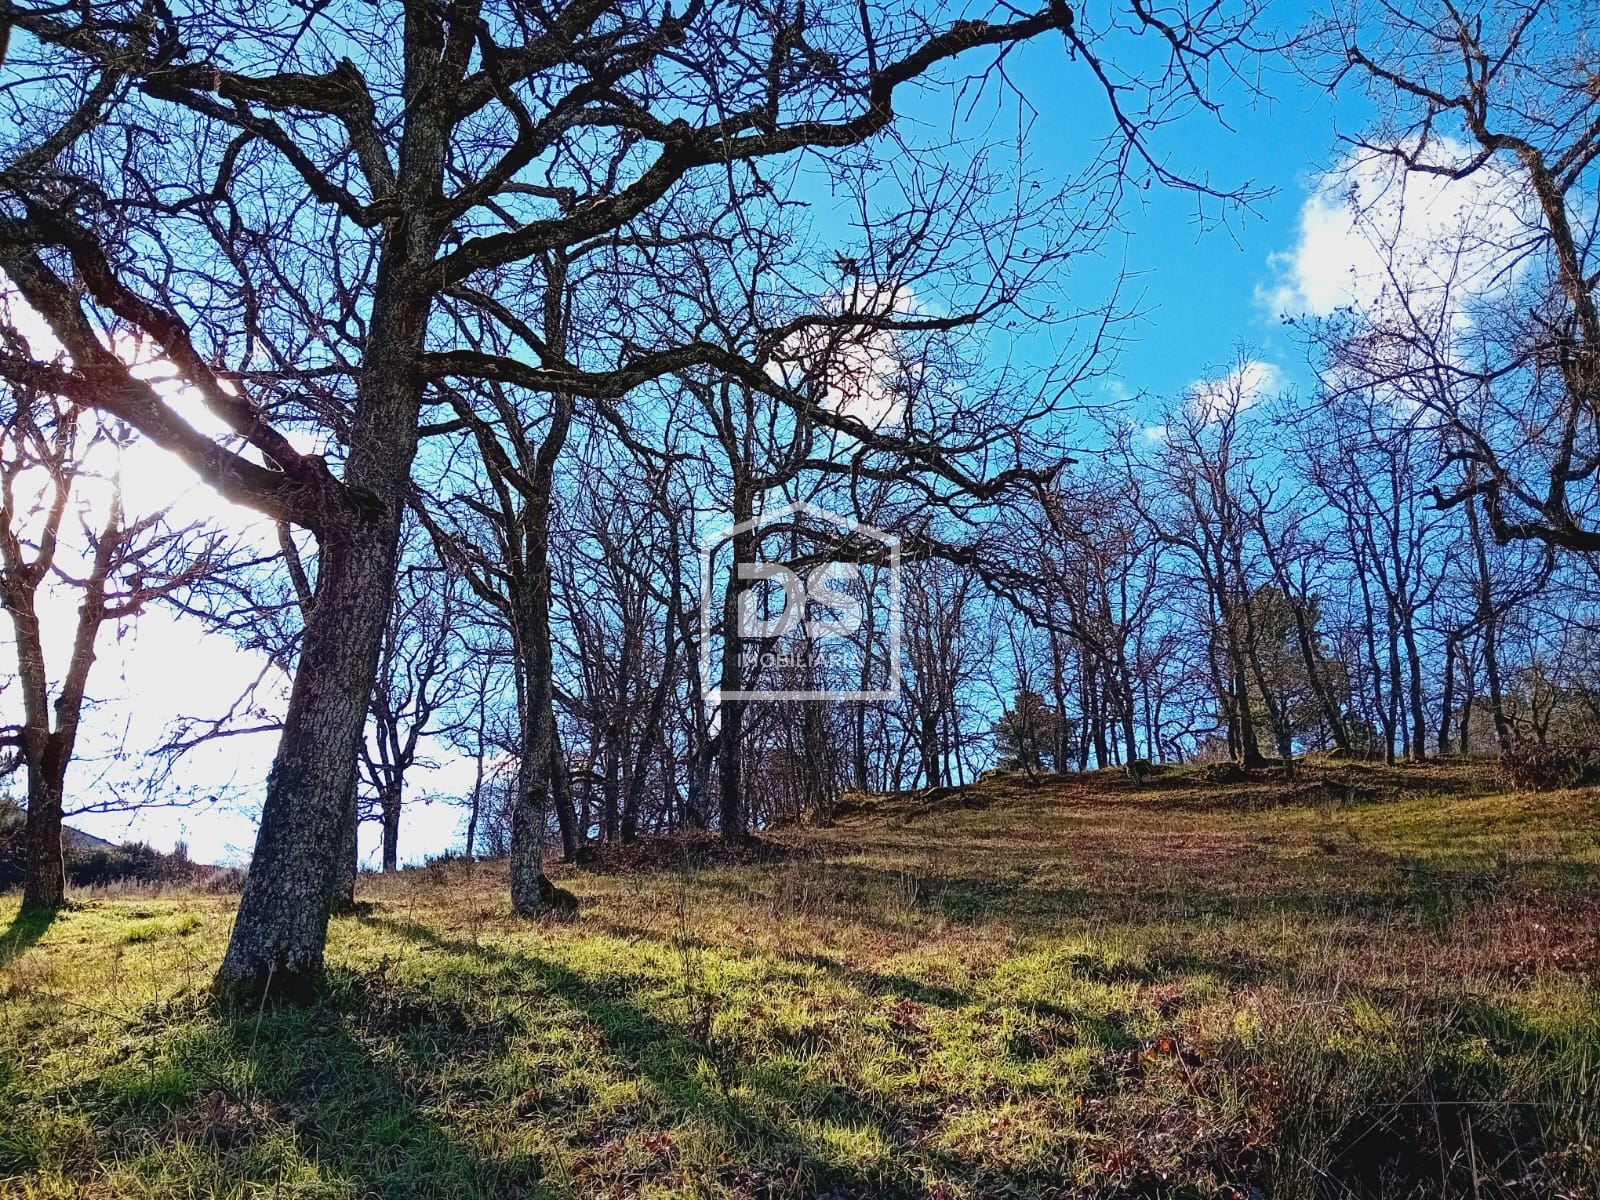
point(91, 860)
point(76, 841)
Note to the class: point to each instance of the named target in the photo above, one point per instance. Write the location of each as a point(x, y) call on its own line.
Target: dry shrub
point(1533, 768)
point(1223, 771)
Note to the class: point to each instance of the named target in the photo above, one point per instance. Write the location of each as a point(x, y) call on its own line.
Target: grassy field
point(1365, 982)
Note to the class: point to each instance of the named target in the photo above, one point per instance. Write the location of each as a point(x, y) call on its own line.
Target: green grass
point(1366, 982)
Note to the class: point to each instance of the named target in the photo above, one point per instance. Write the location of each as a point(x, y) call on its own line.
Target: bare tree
point(58, 467)
point(1499, 339)
point(419, 683)
point(1100, 575)
point(1367, 455)
point(1192, 493)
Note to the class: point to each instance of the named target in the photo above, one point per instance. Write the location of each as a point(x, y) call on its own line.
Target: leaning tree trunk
point(282, 924)
point(281, 927)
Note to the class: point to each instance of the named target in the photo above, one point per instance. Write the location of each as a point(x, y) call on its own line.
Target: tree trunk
point(1448, 699)
point(389, 805)
point(818, 759)
point(1489, 619)
point(929, 749)
point(1129, 727)
point(528, 820)
point(611, 788)
point(44, 884)
point(282, 923)
point(1491, 670)
point(628, 830)
point(1277, 714)
point(44, 878)
point(1242, 734)
point(541, 779)
point(535, 652)
point(860, 767)
point(1419, 729)
point(477, 794)
point(573, 832)
point(732, 817)
point(1306, 639)
point(1383, 710)
point(1249, 746)
point(1058, 687)
point(696, 805)
point(46, 751)
point(344, 899)
point(1397, 713)
point(638, 765)
point(535, 792)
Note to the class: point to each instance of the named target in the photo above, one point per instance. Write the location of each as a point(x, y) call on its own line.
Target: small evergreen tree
point(1027, 734)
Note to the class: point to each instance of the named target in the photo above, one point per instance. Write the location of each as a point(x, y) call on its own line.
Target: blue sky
point(1201, 290)
point(1197, 288)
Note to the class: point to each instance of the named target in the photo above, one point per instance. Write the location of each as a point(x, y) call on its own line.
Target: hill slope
point(1366, 981)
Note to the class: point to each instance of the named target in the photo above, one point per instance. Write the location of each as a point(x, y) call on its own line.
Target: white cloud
point(1373, 235)
point(865, 374)
point(1235, 391)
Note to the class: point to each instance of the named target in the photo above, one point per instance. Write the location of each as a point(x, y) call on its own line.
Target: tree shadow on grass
point(879, 983)
point(26, 928)
point(287, 1088)
point(698, 1074)
point(220, 1098)
point(1398, 888)
point(876, 983)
